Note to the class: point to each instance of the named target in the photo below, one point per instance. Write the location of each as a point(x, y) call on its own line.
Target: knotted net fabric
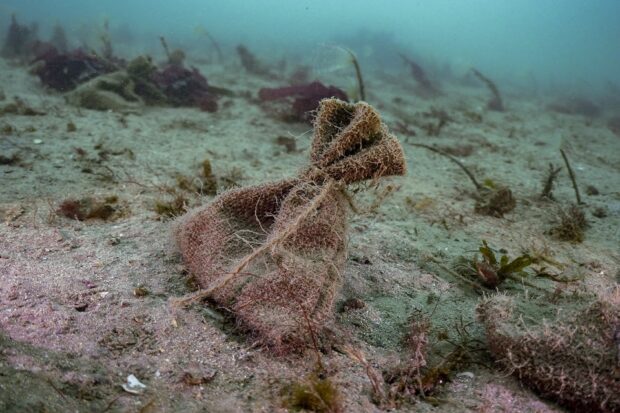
point(273, 254)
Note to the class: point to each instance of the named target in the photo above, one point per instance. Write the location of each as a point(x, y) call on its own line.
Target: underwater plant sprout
point(333, 61)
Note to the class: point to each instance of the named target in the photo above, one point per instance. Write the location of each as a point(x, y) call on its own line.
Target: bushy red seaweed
point(185, 87)
point(306, 97)
point(65, 71)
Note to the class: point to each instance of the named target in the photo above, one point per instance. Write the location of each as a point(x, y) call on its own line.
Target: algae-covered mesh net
point(273, 254)
point(572, 358)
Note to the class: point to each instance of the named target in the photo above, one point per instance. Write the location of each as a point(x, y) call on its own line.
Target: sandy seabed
point(84, 304)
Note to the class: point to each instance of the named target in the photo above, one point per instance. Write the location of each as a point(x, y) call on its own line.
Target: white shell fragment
point(466, 375)
point(133, 385)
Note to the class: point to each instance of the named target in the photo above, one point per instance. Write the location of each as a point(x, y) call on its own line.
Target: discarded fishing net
point(273, 254)
point(574, 358)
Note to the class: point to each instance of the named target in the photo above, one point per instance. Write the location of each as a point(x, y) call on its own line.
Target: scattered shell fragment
point(466, 375)
point(133, 385)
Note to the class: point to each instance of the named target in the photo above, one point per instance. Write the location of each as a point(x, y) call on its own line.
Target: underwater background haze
point(569, 43)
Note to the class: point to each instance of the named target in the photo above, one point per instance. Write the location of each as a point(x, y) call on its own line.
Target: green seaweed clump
point(572, 224)
point(172, 208)
point(491, 272)
point(209, 181)
point(14, 159)
point(314, 394)
point(431, 359)
point(90, 208)
point(187, 188)
point(205, 183)
point(20, 108)
point(496, 201)
point(113, 91)
point(141, 70)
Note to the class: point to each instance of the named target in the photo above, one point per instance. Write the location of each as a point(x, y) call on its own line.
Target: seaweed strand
point(164, 44)
point(215, 45)
point(453, 159)
point(547, 191)
point(572, 177)
point(495, 103)
point(358, 74)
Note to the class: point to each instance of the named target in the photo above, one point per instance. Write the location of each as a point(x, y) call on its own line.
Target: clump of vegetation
point(304, 99)
point(431, 358)
point(600, 212)
point(592, 190)
point(172, 208)
point(422, 374)
point(90, 208)
point(434, 128)
point(233, 177)
point(176, 204)
point(314, 394)
point(490, 271)
point(176, 56)
point(572, 224)
point(409, 379)
point(185, 183)
point(13, 159)
point(550, 178)
point(7, 129)
point(183, 87)
point(289, 144)
point(66, 71)
point(491, 199)
point(19, 107)
point(141, 291)
point(205, 183)
point(112, 91)
point(141, 70)
point(209, 180)
point(495, 201)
